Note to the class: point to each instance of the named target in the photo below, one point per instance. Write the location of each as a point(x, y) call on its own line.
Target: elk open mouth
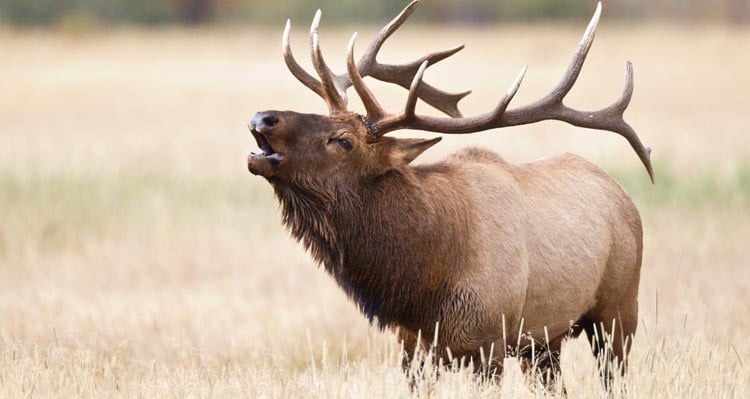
point(266, 162)
point(265, 147)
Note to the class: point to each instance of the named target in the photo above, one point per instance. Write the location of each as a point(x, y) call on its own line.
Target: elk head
point(296, 145)
point(346, 145)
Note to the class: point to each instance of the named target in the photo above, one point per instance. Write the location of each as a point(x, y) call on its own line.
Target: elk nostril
point(270, 120)
point(264, 120)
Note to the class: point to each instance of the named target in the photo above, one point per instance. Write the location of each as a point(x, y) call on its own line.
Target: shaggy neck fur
point(379, 240)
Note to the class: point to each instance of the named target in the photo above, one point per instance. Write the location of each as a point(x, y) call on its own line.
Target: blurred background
point(46, 13)
point(138, 257)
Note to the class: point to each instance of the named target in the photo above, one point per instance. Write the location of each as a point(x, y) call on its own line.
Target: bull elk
point(489, 251)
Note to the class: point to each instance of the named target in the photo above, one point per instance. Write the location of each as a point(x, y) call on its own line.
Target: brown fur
point(472, 242)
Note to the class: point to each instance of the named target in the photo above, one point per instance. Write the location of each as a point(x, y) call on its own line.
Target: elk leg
point(545, 362)
point(546, 365)
point(611, 336)
point(548, 368)
point(412, 346)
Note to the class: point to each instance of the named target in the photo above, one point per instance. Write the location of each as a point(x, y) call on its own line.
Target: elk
point(491, 254)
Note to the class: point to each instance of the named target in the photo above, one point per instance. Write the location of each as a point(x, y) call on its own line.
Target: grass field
point(139, 258)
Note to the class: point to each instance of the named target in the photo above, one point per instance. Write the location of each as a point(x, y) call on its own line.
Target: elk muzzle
point(266, 162)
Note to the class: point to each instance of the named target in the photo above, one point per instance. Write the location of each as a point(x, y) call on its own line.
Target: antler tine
point(455, 125)
point(368, 60)
point(295, 68)
point(335, 97)
point(574, 69)
point(627, 91)
point(374, 110)
point(616, 114)
point(516, 85)
point(506, 99)
point(332, 88)
point(385, 33)
point(403, 75)
point(411, 101)
point(435, 57)
point(549, 107)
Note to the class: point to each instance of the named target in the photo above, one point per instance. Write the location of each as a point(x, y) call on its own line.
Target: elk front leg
point(544, 361)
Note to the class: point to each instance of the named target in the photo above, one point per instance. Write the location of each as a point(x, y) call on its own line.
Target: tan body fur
point(556, 243)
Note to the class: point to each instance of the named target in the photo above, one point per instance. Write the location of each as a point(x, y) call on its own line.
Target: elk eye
point(344, 143)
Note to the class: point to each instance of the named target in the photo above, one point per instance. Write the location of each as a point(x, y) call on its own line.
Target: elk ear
point(406, 150)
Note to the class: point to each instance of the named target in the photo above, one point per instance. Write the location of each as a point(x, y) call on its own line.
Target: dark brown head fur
point(338, 198)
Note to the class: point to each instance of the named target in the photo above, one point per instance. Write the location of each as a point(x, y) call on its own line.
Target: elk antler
point(379, 122)
point(333, 87)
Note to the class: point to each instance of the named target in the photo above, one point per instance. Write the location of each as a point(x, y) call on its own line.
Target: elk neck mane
point(349, 229)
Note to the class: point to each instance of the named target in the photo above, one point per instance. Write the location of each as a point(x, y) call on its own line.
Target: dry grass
point(139, 258)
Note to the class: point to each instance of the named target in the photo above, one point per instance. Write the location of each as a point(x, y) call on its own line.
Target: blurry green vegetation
point(688, 189)
point(53, 12)
point(76, 13)
point(57, 210)
point(52, 210)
